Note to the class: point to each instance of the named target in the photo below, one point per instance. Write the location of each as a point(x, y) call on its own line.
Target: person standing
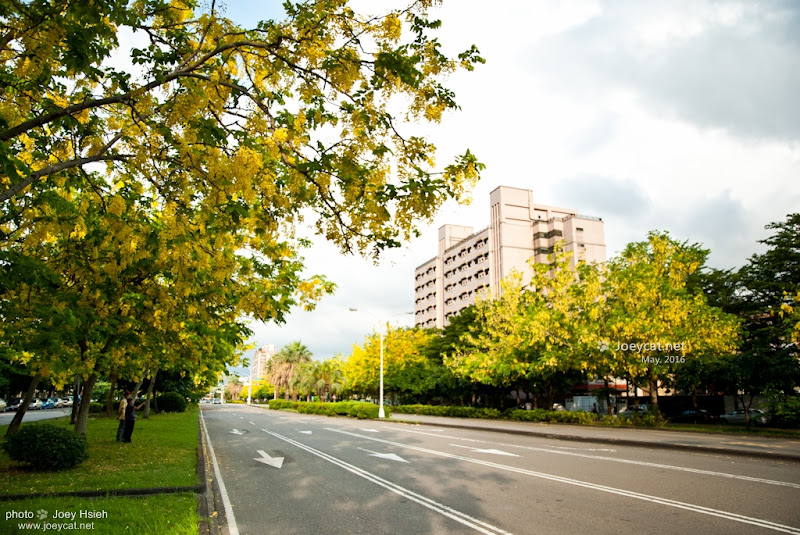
point(130, 417)
point(123, 403)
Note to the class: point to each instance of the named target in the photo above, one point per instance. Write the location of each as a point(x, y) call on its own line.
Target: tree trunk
point(138, 387)
point(82, 420)
point(13, 427)
point(694, 399)
point(150, 393)
point(76, 392)
point(110, 396)
point(654, 395)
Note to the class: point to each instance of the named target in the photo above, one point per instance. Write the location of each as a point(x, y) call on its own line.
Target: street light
point(381, 412)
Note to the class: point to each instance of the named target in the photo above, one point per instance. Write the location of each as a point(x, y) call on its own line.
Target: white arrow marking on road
point(390, 456)
point(306, 432)
point(492, 451)
point(277, 462)
point(237, 432)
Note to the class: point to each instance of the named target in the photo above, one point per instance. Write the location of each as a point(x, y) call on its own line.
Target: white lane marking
point(389, 456)
point(621, 492)
point(305, 432)
point(242, 417)
point(233, 529)
point(458, 516)
point(623, 461)
point(492, 451)
point(237, 432)
point(251, 423)
point(265, 458)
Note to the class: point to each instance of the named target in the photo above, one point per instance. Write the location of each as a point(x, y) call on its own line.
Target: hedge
point(354, 409)
point(447, 410)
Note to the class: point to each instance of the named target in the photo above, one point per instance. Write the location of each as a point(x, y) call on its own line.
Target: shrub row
point(542, 415)
point(354, 409)
point(447, 410)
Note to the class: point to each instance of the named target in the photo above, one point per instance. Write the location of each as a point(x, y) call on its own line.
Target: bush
point(786, 413)
point(46, 447)
point(354, 409)
point(171, 402)
point(446, 410)
point(97, 408)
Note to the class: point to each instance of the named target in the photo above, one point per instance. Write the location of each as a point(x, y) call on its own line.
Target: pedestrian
point(123, 403)
point(130, 417)
point(594, 408)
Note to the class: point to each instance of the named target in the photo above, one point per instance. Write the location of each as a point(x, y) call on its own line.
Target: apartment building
point(261, 360)
point(469, 262)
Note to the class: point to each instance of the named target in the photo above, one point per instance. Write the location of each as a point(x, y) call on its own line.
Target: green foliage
point(171, 402)
point(46, 447)
point(541, 415)
point(786, 413)
point(354, 409)
point(97, 408)
point(452, 411)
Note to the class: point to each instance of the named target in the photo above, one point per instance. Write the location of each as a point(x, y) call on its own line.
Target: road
point(292, 473)
point(35, 416)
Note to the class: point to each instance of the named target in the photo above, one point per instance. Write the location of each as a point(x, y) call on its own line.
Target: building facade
point(469, 262)
point(261, 360)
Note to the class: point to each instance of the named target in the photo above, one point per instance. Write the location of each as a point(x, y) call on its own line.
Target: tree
point(769, 360)
point(655, 322)
point(405, 366)
point(255, 124)
point(534, 331)
point(215, 146)
point(285, 366)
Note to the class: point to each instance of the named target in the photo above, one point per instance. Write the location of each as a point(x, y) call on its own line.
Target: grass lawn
point(163, 454)
point(167, 514)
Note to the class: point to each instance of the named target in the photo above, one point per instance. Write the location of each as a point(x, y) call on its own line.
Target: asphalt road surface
point(287, 473)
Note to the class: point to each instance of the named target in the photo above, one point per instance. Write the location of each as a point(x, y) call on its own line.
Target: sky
point(670, 115)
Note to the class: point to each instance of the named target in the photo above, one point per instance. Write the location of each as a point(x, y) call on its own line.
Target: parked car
point(48, 404)
point(3, 405)
point(67, 401)
point(693, 417)
point(36, 405)
point(630, 412)
point(13, 404)
point(58, 402)
point(757, 417)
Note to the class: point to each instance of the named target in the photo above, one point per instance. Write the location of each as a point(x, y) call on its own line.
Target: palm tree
point(329, 378)
point(288, 361)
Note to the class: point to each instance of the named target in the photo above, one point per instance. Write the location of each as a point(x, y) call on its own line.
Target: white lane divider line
point(623, 461)
point(458, 516)
point(593, 486)
point(233, 529)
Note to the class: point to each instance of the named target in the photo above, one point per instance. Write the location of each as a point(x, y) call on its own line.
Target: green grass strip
point(163, 454)
point(168, 514)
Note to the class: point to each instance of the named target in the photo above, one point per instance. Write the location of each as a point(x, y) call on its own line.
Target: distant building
point(261, 360)
point(468, 262)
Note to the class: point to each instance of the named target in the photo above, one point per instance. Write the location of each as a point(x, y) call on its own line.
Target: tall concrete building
point(261, 360)
point(469, 262)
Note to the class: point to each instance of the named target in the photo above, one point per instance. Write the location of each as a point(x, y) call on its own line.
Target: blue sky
point(672, 115)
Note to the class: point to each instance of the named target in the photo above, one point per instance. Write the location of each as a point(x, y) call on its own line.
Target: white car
point(36, 404)
point(757, 417)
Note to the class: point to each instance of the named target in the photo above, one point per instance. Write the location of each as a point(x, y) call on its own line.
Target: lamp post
point(381, 412)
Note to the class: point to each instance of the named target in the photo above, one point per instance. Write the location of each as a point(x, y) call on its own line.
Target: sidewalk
point(775, 448)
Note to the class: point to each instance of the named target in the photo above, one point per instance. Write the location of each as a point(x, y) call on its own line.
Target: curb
point(612, 441)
